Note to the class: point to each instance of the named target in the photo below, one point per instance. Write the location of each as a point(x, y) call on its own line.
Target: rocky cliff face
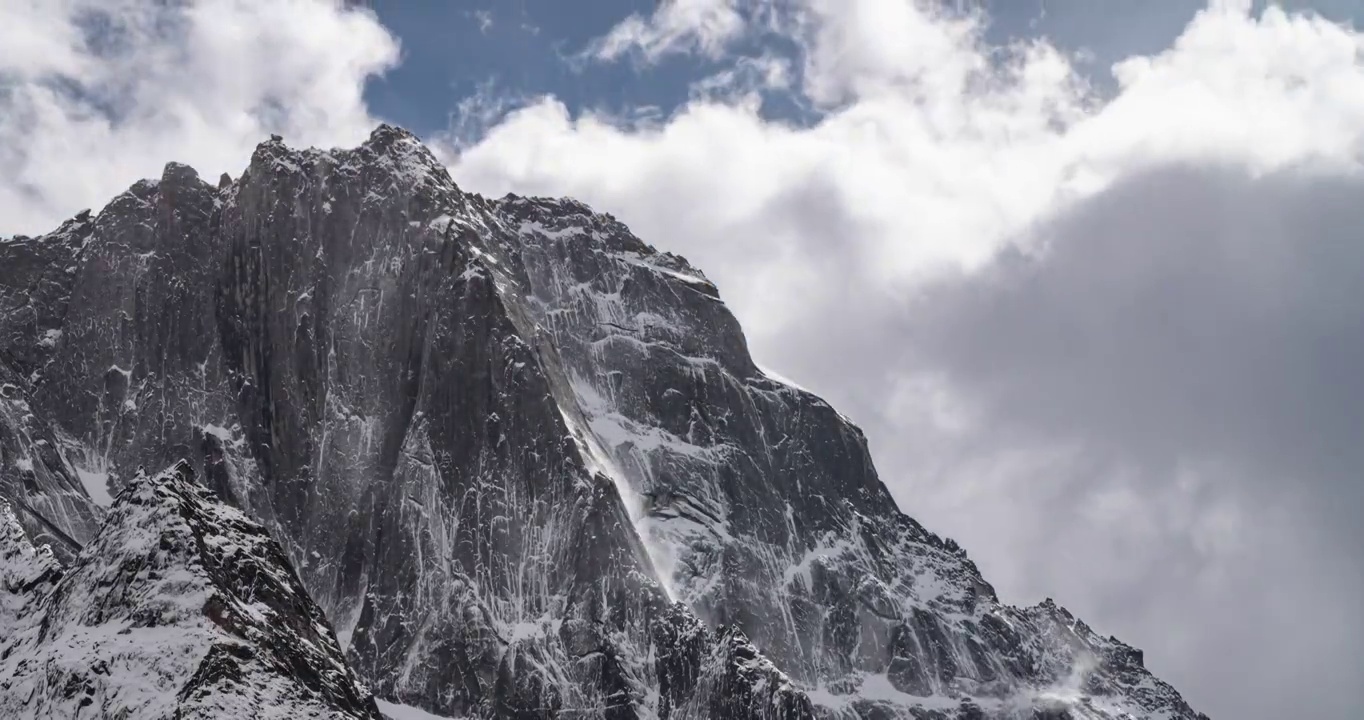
point(522, 460)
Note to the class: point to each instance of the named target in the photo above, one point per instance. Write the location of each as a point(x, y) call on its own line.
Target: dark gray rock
point(43, 488)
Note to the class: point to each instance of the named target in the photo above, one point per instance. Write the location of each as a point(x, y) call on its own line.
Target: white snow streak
point(394, 711)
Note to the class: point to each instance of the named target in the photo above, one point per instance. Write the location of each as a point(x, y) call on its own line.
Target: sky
point(1087, 274)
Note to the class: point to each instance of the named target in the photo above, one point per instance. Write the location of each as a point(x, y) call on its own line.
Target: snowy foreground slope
point(180, 607)
point(523, 461)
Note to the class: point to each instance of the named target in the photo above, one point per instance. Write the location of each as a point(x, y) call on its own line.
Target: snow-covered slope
point(522, 460)
point(27, 574)
point(180, 607)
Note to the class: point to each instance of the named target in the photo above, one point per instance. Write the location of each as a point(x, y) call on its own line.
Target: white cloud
point(937, 153)
point(97, 93)
point(676, 26)
point(485, 20)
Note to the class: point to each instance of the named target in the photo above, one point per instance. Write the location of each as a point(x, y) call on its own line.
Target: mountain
point(522, 460)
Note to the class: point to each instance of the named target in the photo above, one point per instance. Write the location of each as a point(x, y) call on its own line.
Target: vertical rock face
point(522, 460)
point(43, 488)
point(135, 373)
point(180, 607)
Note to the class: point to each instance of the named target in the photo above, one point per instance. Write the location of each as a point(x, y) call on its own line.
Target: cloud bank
point(1109, 342)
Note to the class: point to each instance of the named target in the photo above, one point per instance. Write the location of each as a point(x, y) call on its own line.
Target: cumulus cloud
point(97, 93)
point(1105, 341)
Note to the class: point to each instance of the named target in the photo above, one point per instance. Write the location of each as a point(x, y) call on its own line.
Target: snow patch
point(441, 224)
point(834, 550)
point(227, 436)
point(877, 687)
point(525, 631)
point(617, 431)
point(689, 279)
point(96, 485)
point(394, 711)
point(773, 375)
point(532, 228)
point(479, 253)
point(634, 259)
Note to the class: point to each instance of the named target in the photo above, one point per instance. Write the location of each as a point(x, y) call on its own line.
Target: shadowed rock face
point(522, 460)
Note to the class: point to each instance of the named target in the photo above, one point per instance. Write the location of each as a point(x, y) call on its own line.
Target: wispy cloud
point(706, 27)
